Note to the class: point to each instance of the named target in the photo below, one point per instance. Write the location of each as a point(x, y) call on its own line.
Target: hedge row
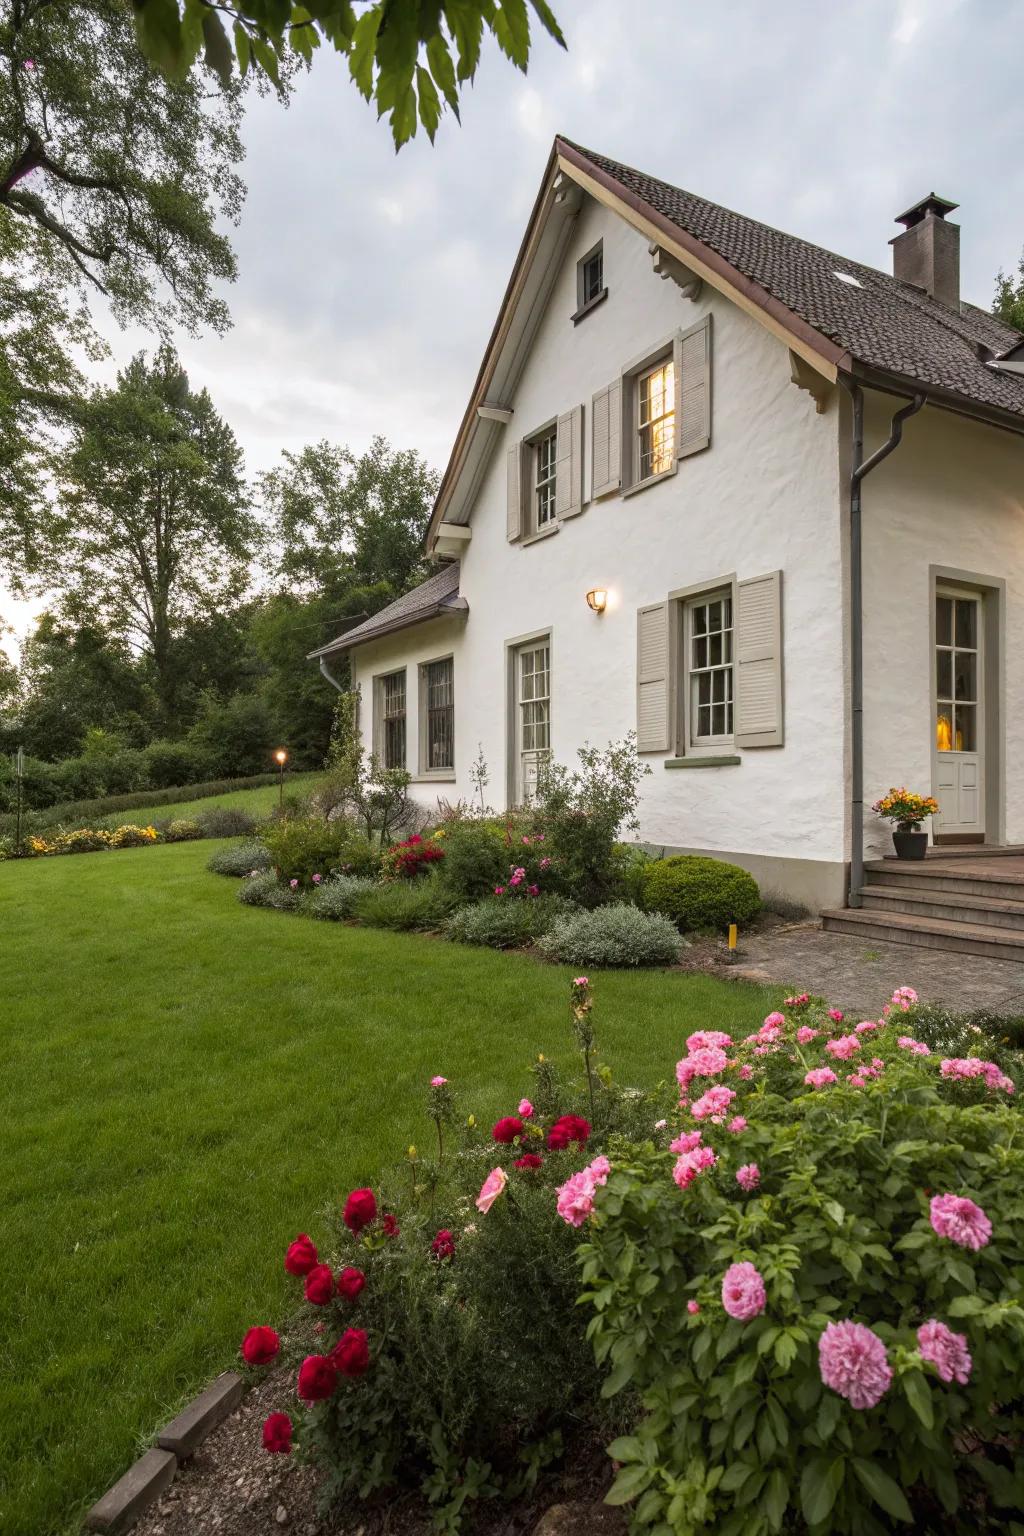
point(78, 810)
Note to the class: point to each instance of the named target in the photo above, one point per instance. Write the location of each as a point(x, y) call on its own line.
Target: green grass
point(185, 1083)
point(256, 801)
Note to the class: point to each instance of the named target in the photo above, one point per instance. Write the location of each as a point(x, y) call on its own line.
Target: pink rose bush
point(853, 1362)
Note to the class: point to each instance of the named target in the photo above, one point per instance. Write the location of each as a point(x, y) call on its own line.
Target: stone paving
point(858, 975)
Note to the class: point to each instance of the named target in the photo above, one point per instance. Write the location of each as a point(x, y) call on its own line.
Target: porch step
point(936, 901)
point(981, 939)
point(925, 877)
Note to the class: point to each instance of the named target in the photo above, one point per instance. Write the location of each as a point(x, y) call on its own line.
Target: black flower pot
point(910, 845)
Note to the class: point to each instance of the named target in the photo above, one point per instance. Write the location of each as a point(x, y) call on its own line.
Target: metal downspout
point(860, 468)
point(325, 669)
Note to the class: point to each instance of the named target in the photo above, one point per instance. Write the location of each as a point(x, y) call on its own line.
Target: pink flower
point(972, 1066)
point(746, 1072)
point(525, 1109)
point(864, 1027)
point(770, 1030)
point(820, 1077)
point(317, 879)
point(581, 981)
point(706, 1037)
point(844, 1047)
point(916, 1047)
point(499, 890)
point(748, 1177)
point(777, 1019)
point(736, 1124)
point(293, 884)
point(686, 1142)
point(903, 997)
point(959, 1219)
point(743, 1294)
point(796, 1002)
point(693, 1307)
point(855, 1080)
point(438, 1082)
point(714, 1103)
point(706, 1061)
point(946, 1350)
point(492, 1187)
point(689, 1164)
point(853, 1362)
point(805, 1034)
point(836, 1015)
point(533, 890)
point(659, 1125)
point(576, 1196)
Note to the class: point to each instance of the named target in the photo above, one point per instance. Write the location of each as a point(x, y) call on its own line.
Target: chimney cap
point(933, 203)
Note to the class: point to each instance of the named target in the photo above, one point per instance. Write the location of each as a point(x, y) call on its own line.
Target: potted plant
point(907, 811)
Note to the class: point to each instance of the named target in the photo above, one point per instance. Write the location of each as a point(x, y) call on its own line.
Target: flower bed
point(803, 1273)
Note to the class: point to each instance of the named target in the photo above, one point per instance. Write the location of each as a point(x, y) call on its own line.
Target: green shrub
point(81, 840)
point(181, 830)
point(700, 893)
point(56, 814)
point(751, 1419)
point(265, 890)
point(581, 812)
point(421, 905)
point(240, 859)
point(303, 846)
point(476, 857)
point(80, 778)
point(503, 924)
point(129, 836)
point(971, 1032)
point(226, 821)
point(616, 935)
point(334, 899)
point(175, 762)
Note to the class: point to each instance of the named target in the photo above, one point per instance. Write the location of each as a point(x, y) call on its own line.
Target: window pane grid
point(393, 719)
point(710, 669)
point(956, 674)
point(656, 419)
point(544, 459)
point(593, 276)
point(440, 699)
point(534, 705)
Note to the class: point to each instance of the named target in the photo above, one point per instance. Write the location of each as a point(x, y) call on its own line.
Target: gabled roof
point(876, 328)
point(433, 598)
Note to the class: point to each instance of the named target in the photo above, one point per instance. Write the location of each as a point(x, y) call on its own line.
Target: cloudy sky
point(368, 282)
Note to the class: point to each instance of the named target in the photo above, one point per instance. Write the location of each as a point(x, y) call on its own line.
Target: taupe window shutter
point(515, 492)
point(759, 661)
point(692, 353)
point(606, 436)
point(569, 463)
point(653, 678)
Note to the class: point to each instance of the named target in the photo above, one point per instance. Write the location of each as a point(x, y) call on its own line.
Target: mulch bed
point(234, 1488)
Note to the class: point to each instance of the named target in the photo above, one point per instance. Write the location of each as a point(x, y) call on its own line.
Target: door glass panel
point(966, 631)
point(966, 673)
point(944, 620)
point(965, 735)
point(944, 728)
point(944, 674)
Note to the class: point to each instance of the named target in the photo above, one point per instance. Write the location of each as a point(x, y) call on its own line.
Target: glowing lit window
point(656, 419)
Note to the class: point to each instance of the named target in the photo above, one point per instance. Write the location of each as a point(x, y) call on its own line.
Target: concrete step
point(922, 878)
point(956, 906)
point(927, 932)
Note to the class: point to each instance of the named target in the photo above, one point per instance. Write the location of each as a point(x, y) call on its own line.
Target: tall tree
point(1009, 299)
point(153, 526)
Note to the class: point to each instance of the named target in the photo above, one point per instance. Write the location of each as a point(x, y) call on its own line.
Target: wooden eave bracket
point(815, 383)
point(667, 265)
point(567, 193)
point(502, 413)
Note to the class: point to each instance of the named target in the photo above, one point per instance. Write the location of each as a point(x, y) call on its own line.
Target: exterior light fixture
point(597, 599)
point(280, 758)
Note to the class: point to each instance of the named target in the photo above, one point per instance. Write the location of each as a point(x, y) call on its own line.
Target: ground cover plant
point(150, 1080)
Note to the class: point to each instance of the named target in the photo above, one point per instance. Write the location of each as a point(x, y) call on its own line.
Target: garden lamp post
point(19, 774)
point(281, 757)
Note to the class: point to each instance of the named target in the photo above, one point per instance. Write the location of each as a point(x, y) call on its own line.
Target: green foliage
point(264, 889)
point(335, 899)
point(739, 1434)
point(41, 792)
point(378, 797)
point(240, 859)
point(406, 905)
point(129, 836)
point(303, 846)
point(235, 735)
point(170, 764)
point(182, 830)
point(700, 893)
point(503, 924)
point(971, 1032)
point(409, 59)
point(482, 852)
point(581, 812)
point(226, 821)
point(616, 935)
point(1008, 303)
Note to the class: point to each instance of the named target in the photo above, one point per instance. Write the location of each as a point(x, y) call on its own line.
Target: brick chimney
point(927, 253)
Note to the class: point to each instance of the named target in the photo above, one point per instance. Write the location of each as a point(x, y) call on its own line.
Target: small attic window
point(848, 277)
point(590, 284)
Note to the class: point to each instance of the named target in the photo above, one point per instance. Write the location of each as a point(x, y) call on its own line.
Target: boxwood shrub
point(616, 935)
point(700, 893)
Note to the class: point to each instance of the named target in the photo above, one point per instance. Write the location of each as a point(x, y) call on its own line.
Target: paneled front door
point(958, 744)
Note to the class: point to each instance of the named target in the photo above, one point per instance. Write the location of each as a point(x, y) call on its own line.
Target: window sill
point(434, 778)
point(541, 533)
point(642, 485)
point(586, 308)
point(726, 761)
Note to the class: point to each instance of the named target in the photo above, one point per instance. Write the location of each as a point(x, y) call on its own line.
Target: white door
point(533, 717)
point(959, 764)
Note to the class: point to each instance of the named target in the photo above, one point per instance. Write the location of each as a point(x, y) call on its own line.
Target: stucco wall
point(764, 496)
point(952, 495)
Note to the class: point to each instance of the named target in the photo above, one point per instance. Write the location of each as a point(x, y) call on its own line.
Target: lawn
point(256, 801)
point(185, 1083)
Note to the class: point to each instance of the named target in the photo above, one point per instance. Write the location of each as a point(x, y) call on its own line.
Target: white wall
point(764, 496)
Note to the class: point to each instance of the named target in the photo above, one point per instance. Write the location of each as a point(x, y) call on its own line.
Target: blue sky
point(369, 282)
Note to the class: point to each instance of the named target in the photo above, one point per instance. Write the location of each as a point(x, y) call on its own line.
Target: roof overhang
point(942, 399)
point(453, 608)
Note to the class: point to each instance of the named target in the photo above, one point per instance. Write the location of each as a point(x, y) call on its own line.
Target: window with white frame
point(543, 452)
point(533, 715)
point(391, 706)
point(437, 716)
point(655, 418)
point(708, 668)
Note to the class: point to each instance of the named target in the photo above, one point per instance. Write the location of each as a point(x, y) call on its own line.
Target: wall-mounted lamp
point(597, 599)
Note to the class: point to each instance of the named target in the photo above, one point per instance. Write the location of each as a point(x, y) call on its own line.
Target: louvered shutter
point(606, 436)
point(692, 353)
point(514, 482)
point(569, 465)
point(758, 625)
point(653, 678)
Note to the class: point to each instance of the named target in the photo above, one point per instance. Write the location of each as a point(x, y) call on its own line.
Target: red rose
point(443, 1246)
point(351, 1354)
point(259, 1346)
point(568, 1129)
point(277, 1433)
point(318, 1377)
point(320, 1285)
point(350, 1283)
point(360, 1210)
point(507, 1130)
point(528, 1160)
point(389, 1226)
point(301, 1256)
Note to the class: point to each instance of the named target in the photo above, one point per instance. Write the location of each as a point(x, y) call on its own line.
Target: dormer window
point(590, 286)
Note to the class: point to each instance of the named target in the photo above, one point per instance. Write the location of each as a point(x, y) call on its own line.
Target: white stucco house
point(677, 414)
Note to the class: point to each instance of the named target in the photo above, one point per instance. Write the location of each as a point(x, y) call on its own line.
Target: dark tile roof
point(440, 593)
point(884, 324)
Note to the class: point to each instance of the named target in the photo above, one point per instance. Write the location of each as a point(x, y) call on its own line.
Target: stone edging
point(154, 1471)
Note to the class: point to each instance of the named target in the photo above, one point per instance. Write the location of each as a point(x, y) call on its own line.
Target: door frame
point(992, 592)
point(512, 649)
